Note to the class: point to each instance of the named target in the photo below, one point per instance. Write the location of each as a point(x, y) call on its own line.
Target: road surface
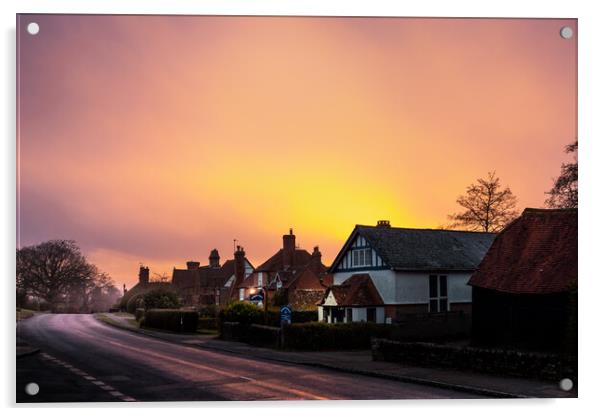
point(128, 366)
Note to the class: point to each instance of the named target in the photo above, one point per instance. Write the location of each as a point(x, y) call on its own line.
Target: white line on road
point(109, 389)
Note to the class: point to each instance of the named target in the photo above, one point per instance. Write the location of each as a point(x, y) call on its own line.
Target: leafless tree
point(58, 272)
point(487, 206)
point(564, 192)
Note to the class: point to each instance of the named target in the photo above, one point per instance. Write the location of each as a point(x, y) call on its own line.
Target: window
point(438, 293)
point(260, 279)
point(371, 314)
point(362, 257)
point(349, 315)
point(241, 293)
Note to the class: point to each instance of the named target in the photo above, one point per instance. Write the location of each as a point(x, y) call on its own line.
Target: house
point(299, 277)
point(143, 286)
point(524, 291)
point(383, 272)
point(211, 284)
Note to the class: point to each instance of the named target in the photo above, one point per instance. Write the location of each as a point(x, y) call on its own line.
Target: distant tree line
point(55, 275)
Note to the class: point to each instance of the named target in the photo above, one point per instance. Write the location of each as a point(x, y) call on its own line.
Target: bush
point(242, 312)
point(207, 323)
point(135, 302)
point(208, 311)
point(161, 299)
point(316, 336)
point(171, 320)
point(297, 317)
point(139, 314)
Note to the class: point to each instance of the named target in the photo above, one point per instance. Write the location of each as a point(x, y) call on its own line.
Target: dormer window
point(362, 257)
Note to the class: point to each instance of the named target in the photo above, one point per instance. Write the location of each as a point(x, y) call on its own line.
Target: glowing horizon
point(154, 139)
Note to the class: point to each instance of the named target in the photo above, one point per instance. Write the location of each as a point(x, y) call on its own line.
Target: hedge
point(316, 336)
point(242, 312)
point(207, 323)
point(171, 319)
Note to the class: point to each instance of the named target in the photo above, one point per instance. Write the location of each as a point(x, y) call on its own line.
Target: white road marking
point(109, 389)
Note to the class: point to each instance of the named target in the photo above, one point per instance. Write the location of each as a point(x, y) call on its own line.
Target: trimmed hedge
point(298, 317)
point(161, 299)
point(316, 336)
point(171, 320)
point(207, 323)
point(262, 335)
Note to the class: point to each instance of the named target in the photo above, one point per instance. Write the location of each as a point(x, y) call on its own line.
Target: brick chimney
point(383, 223)
point(239, 269)
point(288, 249)
point(192, 265)
point(315, 263)
point(143, 275)
point(214, 258)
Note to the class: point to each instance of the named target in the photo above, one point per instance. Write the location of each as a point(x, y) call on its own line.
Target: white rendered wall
point(408, 288)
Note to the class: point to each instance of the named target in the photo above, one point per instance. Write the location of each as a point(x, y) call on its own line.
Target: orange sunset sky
point(155, 139)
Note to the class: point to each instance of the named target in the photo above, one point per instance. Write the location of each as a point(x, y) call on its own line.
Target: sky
point(154, 139)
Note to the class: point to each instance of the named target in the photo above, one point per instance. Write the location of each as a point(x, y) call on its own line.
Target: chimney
point(192, 265)
point(239, 269)
point(383, 223)
point(288, 249)
point(315, 264)
point(214, 258)
point(143, 275)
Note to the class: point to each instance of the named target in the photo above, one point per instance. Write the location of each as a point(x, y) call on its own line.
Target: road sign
point(286, 314)
point(258, 297)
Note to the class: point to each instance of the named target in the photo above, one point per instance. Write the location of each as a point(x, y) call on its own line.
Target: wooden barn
point(524, 291)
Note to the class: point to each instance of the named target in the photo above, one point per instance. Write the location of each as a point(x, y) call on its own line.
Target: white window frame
point(241, 293)
point(439, 298)
point(260, 279)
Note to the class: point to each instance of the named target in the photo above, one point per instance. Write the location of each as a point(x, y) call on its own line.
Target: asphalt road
point(121, 365)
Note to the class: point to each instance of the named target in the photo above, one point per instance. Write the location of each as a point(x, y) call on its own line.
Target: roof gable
point(358, 290)
point(422, 249)
point(535, 254)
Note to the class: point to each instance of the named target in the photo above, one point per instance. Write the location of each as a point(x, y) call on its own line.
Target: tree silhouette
point(487, 206)
point(564, 192)
point(58, 272)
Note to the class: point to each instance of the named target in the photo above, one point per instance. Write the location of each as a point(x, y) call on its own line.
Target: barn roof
point(535, 254)
point(424, 249)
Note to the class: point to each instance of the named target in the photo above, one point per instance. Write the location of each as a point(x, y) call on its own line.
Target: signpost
point(286, 315)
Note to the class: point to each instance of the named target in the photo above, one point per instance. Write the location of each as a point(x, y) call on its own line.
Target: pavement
point(361, 363)
point(84, 359)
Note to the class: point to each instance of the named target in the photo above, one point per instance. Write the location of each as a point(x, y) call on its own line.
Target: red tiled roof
point(535, 254)
point(358, 290)
point(276, 262)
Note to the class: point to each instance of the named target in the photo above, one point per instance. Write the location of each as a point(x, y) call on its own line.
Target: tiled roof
point(357, 290)
point(204, 276)
point(535, 254)
point(276, 262)
point(426, 249)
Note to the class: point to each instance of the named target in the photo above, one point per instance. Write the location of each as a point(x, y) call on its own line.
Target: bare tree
point(57, 271)
point(564, 192)
point(487, 206)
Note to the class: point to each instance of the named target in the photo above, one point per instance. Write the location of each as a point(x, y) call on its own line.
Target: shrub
point(171, 320)
point(161, 299)
point(208, 311)
point(135, 302)
point(207, 323)
point(139, 314)
point(243, 312)
point(316, 336)
point(297, 317)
